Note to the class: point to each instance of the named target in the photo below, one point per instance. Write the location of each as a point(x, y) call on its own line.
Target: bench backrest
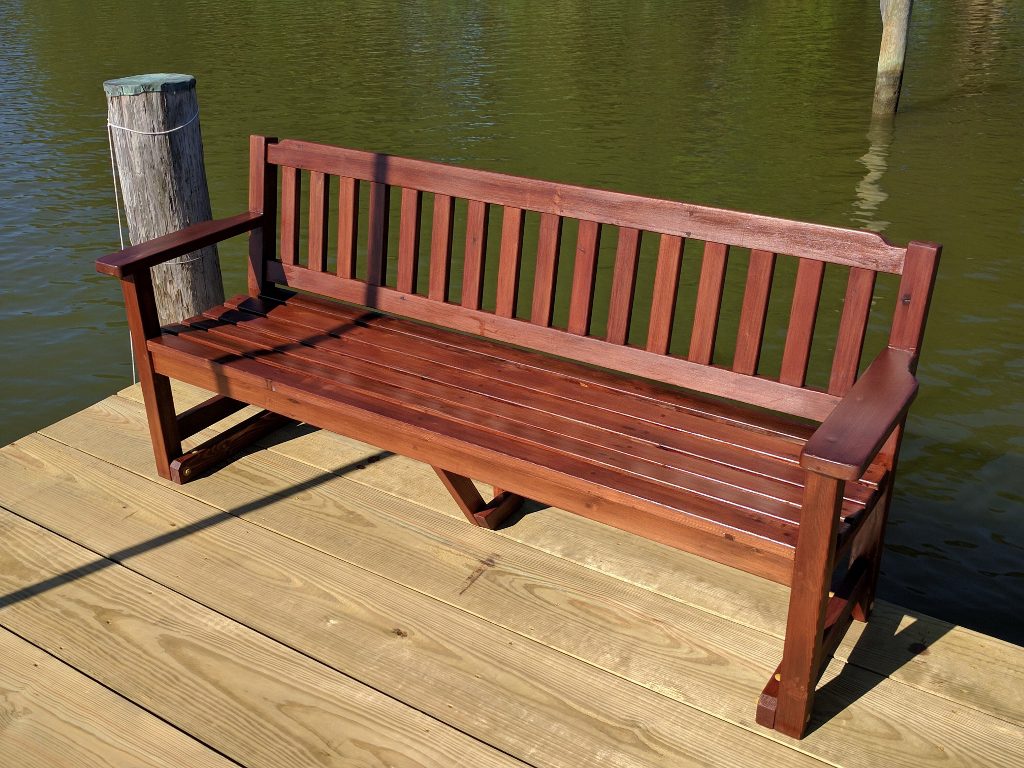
point(412, 274)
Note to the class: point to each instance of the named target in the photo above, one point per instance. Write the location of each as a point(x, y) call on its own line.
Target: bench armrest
point(849, 439)
point(158, 250)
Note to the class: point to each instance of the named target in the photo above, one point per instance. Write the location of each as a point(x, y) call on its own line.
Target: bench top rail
point(516, 260)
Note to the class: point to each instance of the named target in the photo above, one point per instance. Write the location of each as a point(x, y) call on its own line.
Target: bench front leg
point(140, 306)
point(803, 651)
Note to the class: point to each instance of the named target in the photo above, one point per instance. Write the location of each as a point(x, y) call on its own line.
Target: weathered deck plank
point(252, 699)
point(52, 716)
point(963, 666)
point(689, 655)
point(522, 697)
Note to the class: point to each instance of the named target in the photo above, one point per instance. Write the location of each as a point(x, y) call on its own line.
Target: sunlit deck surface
point(317, 602)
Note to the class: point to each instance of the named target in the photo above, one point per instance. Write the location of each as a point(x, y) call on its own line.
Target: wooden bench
point(533, 381)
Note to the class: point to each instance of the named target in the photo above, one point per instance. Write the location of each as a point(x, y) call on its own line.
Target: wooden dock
point(318, 602)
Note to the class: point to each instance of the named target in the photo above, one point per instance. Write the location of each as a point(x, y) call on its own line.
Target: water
point(756, 106)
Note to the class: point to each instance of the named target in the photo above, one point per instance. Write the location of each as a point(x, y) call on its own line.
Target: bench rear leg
point(786, 702)
point(477, 511)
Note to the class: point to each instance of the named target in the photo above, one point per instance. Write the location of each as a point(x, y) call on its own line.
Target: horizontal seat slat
point(624, 501)
point(668, 403)
point(558, 394)
point(693, 491)
point(569, 419)
point(675, 371)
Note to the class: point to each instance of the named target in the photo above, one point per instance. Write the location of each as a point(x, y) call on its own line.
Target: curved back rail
point(373, 190)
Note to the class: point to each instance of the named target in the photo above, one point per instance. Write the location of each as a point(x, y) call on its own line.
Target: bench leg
point(477, 511)
point(156, 389)
point(786, 702)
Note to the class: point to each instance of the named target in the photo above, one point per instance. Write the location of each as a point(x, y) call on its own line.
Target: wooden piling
point(158, 152)
point(891, 55)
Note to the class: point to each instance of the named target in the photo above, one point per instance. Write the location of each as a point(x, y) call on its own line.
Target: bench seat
point(675, 463)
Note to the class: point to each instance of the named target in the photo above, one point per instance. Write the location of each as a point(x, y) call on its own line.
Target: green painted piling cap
point(161, 82)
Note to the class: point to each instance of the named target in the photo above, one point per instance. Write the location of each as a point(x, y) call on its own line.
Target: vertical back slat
point(915, 295)
point(348, 226)
point(441, 247)
point(620, 305)
point(584, 271)
point(547, 266)
point(709, 302)
point(319, 189)
point(860, 286)
point(262, 197)
point(473, 263)
point(755, 309)
point(508, 262)
point(803, 313)
point(377, 242)
point(291, 191)
point(409, 240)
point(666, 289)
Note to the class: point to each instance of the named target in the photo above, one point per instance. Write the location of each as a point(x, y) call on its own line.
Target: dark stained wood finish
point(816, 241)
point(485, 514)
point(812, 572)
point(473, 262)
point(670, 370)
point(545, 476)
point(722, 463)
point(850, 437)
point(914, 297)
point(318, 223)
point(803, 313)
point(507, 296)
point(620, 304)
point(219, 449)
point(140, 306)
point(666, 289)
point(208, 412)
point(441, 247)
point(709, 303)
point(137, 259)
point(348, 226)
point(409, 240)
point(853, 325)
point(377, 244)
point(291, 199)
point(548, 239)
point(760, 271)
point(522, 411)
point(262, 200)
point(584, 276)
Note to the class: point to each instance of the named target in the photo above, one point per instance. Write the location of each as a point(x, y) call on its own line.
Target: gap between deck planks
point(963, 666)
point(520, 696)
point(248, 697)
point(687, 649)
point(52, 716)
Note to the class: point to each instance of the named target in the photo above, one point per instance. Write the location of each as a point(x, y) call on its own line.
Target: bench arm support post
point(851, 436)
point(803, 654)
point(139, 258)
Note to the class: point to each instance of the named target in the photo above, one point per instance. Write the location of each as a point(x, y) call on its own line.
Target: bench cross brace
point(477, 511)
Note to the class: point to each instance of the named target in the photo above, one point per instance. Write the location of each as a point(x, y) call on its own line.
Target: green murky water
point(750, 105)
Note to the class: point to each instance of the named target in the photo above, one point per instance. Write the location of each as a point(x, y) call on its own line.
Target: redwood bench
point(583, 403)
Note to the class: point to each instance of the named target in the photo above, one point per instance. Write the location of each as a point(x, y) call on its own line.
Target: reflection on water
point(870, 194)
point(756, 106)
